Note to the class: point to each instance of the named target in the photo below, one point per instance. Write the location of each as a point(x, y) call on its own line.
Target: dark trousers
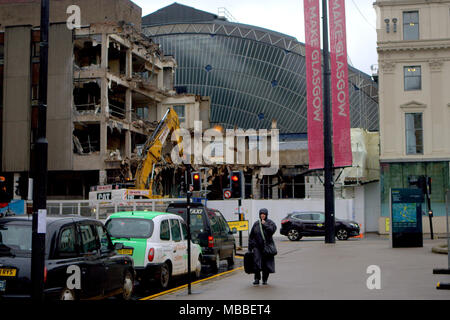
point(265, 275)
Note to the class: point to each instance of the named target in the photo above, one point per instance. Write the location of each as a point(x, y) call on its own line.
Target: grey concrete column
point(104, 97)
point(255, 187)
point(105, 47)
point(129, 64)
point(128, 105)
point(275, 189)
point(102, 177)
point(128, 144)
point(103, 140)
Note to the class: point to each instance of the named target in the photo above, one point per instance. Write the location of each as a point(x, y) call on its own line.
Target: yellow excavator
point(144, 177)
point(153, 149)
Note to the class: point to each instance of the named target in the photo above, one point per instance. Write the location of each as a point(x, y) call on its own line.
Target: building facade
point(253, 77)
point(414, 70)
point(108, 86)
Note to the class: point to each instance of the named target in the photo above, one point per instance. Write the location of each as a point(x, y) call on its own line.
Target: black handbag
point(269, 248)
point(249, 263)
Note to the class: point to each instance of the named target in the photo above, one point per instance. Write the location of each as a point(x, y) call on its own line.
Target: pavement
point(310, 269)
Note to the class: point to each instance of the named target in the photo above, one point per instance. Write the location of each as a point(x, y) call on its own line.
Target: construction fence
point(100, 210)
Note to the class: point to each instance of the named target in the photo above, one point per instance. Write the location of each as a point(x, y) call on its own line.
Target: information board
point(406, 217)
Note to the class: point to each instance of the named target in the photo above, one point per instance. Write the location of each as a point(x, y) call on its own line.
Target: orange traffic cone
point(361, 235)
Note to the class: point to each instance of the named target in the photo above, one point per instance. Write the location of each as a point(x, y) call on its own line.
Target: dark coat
point(256, 244)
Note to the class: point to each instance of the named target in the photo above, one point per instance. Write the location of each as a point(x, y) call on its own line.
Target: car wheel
point(198, 268)
point(342, 234)
point(164, 277)
point(294, 235)
point(67, 294)
point(230, 260)
point(127, 287)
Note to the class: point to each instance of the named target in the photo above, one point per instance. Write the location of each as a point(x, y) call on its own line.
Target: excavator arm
point(151, 154)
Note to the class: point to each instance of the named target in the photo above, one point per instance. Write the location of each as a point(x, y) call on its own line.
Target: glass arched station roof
point(253, 75)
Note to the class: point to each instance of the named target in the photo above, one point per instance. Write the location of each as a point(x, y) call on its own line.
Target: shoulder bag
point(269, 248)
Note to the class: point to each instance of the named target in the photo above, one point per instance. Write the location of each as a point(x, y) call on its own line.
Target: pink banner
point(314, 84)
point(339, 85)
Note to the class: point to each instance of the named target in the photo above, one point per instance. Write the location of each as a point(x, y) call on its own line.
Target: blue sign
point(406, 209)
point(16, 206)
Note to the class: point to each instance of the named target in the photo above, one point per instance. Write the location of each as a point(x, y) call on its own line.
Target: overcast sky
point(286, 16)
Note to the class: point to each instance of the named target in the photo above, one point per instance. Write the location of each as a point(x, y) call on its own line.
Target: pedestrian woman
point(261, 243)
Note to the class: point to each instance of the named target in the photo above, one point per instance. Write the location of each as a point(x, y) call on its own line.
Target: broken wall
point(92, 11)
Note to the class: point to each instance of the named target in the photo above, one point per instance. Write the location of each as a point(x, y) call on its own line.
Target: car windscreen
point(197, 225)
point(130, 228)
point(15, 238)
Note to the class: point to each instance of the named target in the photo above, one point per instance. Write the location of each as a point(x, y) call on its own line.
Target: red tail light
point(284, 221)
point(210, 242)
point(151, 254)
point(45, 274)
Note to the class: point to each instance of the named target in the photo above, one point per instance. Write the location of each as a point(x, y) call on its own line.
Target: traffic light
point(196, 181)
point(236, 184)
point(422, 184)
point(20, 187)
point(5, 197)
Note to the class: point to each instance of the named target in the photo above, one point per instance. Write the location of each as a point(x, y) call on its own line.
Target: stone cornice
point(413, 105)
point(391, 3)
point(413, 45)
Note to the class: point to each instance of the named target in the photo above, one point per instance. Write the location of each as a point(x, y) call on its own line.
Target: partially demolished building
point(108, 87)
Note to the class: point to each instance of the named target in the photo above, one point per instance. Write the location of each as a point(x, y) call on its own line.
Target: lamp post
point(40, 147)
point(188, 222)
point(328, 151)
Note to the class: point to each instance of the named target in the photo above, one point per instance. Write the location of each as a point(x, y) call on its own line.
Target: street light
point(40, 149)
point(328, 152)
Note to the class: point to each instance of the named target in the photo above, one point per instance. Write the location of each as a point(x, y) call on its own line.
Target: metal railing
point(101, 209)
point(90, 108)
point(116, 111)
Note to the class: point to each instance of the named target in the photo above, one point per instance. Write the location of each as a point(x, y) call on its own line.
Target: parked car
point(71, 243)
point(312, 224)
point(211, 231)
point(157, 242)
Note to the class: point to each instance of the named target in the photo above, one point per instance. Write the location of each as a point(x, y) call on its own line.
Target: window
point(66, 243)
point(104, 239)
point(225, 225)
point(175, 229)
point(164, 230)
point(184, 230)
point(413, 78)
point(16, 238)
point(303, 216)
point(180, 110)
point(411, 25)
point(414, 133)
point(318, 217)
point(88, 241)
point(216, 227)
point(197, 225)
point(130, 228)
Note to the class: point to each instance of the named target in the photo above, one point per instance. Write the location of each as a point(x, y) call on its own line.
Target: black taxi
point(210, 230)
point(80, 260)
